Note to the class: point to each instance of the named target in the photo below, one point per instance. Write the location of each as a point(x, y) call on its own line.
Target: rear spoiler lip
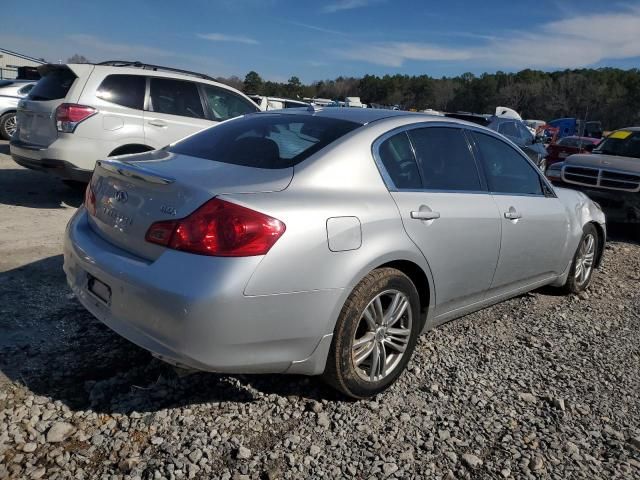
point(76, 68)
point(128, 170)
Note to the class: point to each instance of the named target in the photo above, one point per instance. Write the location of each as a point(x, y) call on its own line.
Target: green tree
point(294, 87)
point(253, 83)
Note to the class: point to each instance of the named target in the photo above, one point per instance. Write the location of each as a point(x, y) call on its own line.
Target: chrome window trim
point(375, 150)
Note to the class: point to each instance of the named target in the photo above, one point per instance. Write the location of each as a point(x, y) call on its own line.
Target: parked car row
point(317, 240)
point(11, 91)
point(610, 174)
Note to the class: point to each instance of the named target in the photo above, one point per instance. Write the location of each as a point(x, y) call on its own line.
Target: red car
point(566, 146)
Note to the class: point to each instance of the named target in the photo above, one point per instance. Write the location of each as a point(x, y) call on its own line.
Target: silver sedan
point(315, 241)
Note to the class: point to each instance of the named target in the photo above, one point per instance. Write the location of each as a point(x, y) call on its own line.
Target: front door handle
point(512, 214)
point(158, 123)
point(425, 215)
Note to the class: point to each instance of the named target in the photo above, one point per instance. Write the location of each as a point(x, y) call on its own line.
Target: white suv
point(79, 113)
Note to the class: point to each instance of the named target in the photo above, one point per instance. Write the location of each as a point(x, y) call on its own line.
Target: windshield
point(623, 143)
point(265, 140)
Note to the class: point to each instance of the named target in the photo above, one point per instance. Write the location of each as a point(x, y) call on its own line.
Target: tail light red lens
point(90, 200)
point(219, 228)
point(69, 115)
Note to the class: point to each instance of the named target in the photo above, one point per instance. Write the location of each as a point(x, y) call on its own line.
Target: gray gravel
point(541, 386)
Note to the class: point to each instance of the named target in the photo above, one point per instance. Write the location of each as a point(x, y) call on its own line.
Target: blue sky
point(319, 40)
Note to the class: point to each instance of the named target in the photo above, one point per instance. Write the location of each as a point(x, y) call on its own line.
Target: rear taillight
point(90, 200)
point(69, 115)
point(219, 228)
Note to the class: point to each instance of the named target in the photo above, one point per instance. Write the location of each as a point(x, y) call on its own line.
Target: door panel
point(459, 235)
point(532, 240)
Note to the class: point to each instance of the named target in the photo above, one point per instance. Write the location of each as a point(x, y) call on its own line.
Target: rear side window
point(445, 159)
point(507, 171)
point(53, 86)
point(400, 164)
point(268, 141)
point(125, 90)
point(224, 104)
point(175, 97)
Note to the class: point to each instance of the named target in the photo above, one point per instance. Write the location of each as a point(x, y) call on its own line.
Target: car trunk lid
point(133, 192)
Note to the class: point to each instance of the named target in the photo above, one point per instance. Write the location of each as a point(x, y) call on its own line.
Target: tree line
point(610, 95)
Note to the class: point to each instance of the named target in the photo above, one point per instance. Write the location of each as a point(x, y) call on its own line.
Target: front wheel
point(8, 125)
point(583, 261)
point(375, 334)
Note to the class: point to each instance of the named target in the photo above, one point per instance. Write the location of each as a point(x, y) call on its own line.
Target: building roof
point(20, 55)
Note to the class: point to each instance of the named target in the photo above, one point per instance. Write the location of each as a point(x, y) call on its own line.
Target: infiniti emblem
point(122, 196)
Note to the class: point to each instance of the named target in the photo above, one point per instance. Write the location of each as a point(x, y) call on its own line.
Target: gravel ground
point(541, 386)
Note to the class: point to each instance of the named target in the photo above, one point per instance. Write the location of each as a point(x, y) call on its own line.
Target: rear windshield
point(265, 140)
point(53, 86)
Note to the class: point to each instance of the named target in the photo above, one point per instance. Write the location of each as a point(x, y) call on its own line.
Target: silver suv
point(80, 113)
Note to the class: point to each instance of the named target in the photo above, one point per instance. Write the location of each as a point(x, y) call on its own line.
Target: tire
point(7, 125)
point(349, 368)
point(584, 258)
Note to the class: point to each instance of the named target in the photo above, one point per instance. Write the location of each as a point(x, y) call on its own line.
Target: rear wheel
point(583, 261)
point(8, 125)
point(375, 334)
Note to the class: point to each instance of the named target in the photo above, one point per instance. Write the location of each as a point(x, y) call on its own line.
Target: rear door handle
point(157, 123)
point(425, 215)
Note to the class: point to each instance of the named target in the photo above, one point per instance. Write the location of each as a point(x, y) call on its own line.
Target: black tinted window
point(507, 171)
point(265, 140)
point(53, 86)
point(509, 129)
point(398, 160)
point(445, 159)
point(125, 90)
point(224, 104)
point(175, 97)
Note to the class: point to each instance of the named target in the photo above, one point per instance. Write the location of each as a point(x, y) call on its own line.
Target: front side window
point(125, 90)
point(175, 97)
point(268, 141)
point(400, 164)
point(224, 104)
point(445, 159)
point(507, 171)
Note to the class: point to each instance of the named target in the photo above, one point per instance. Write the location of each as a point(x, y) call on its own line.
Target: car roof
point(629, 129)
point(352, 114)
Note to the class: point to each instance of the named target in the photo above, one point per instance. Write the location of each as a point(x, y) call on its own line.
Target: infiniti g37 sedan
point(320, 241)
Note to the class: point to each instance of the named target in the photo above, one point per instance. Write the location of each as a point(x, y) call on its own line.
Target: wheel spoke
point(375, 360)
point(398, 338)
point(369, 315)
point(399, 312)
point(388, 316)
point(379, 311)
point(366, 338)
point(363, 353)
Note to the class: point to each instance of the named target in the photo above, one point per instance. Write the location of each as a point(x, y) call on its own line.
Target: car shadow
point(4, 148)
point(54, 348)
point(29, 188)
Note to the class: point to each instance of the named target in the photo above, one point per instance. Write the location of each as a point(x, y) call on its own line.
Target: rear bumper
point(60, 168)
point(190, 310)
point(619, 206)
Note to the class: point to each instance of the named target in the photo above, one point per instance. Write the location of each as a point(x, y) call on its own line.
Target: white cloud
point(569, 43)
point(341, 5)
point(124, 50)
point(394, 54)
point(221, 37)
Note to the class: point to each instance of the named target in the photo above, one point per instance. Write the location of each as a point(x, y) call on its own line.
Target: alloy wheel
point(382, 335)
point(10, 125)
point(584, 259)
